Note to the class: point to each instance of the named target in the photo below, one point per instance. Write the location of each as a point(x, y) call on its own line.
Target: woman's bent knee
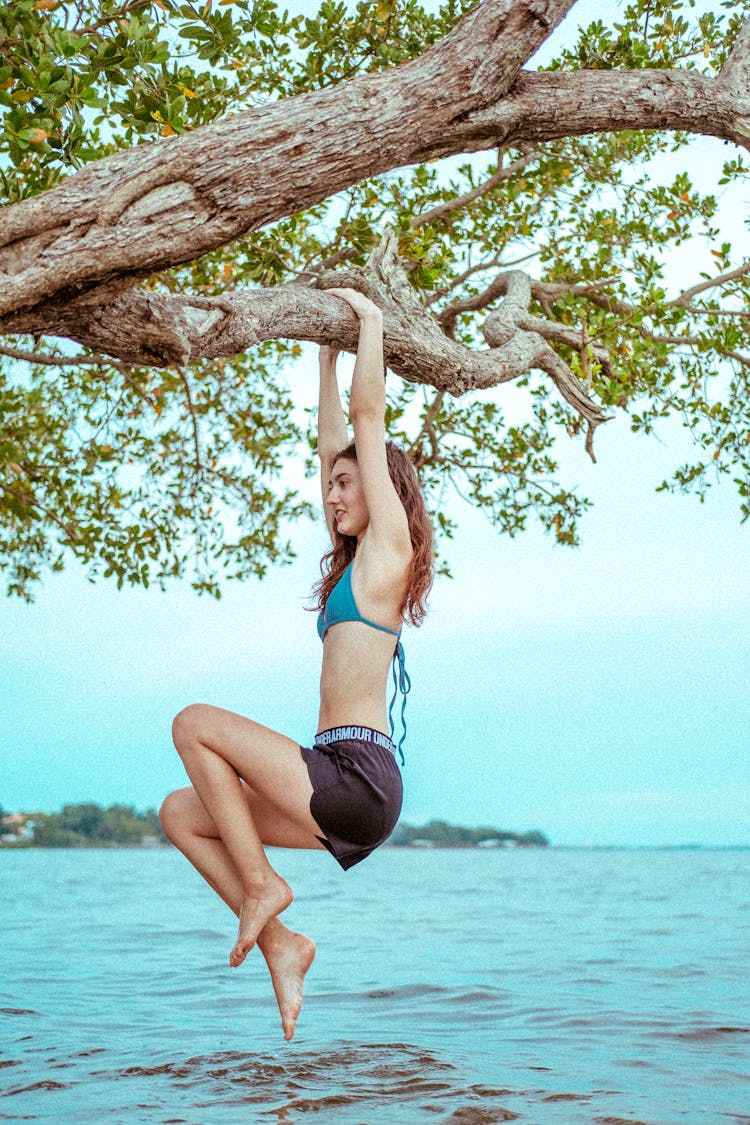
point(188, 723)
point(183, 816)
point(175, 811)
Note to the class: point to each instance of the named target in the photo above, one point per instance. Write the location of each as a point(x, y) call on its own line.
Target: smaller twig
point(729, 354)
point(556, 289)
point(191, 411)
point(444, 209)
point(687, 294)
point(590, 431)
point(311, 270)
point(78, 361)
point(448, 316)
point(122, 13)
point(93, 28)
point(696, 310)
point(29, 500)
point(491, 263)
point(586, 376)
point(428, 429)
point(55, 360)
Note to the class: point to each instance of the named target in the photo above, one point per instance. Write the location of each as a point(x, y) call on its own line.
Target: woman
point(252, 787)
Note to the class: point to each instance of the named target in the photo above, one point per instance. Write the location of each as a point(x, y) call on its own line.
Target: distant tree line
point(89, 825)
point(441, 834)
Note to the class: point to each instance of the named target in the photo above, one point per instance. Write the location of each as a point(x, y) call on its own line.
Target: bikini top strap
point(401, 683)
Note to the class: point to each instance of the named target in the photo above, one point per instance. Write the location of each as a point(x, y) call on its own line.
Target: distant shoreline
point(90, 825)
point(122, 826)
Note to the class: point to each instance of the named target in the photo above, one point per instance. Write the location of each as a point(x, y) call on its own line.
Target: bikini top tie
point(341, 606)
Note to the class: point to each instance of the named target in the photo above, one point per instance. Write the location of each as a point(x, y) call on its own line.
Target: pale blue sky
point(598, 694)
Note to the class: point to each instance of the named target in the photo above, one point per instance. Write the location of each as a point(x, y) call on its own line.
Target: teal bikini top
point(341, 606)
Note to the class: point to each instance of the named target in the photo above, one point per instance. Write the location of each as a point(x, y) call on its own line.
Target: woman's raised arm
point(388, 526)
point(332, 432)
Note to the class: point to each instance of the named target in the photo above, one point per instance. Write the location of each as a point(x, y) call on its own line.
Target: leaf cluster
point(657, 34)
point(144, 478)
point(80, 80)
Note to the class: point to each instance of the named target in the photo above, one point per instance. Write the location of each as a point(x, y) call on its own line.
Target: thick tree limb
point(513, 316)
point(157, 205)
point(736, 70)
point(68, 258)
point(153, 329)
point(139, 211)
point(553, 105)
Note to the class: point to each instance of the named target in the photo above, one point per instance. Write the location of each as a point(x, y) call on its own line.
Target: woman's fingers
point(327, 353)
point(356, 300)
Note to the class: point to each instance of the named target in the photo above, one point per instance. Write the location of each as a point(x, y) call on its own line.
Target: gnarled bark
point(156, 330)
point(157, 205)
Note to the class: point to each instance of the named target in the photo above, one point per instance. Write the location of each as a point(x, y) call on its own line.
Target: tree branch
point(30, 501)
point(736, 70)
point(154, 206)
point(731, 275)
point(697, 310)
point(77, 361)
point(502, 174)
point(480, 267)
point(545, 292)
point(428, 430)
point(147, 328)
point(139, 211)
point(552, 105)
point(193, 418)
point(53, 360)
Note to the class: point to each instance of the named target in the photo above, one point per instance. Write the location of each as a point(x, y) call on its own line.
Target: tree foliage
point(440, 834)
point(146, 472)
point(90, 825)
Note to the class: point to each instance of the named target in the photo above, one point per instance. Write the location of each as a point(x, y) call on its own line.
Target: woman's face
point(346, 498)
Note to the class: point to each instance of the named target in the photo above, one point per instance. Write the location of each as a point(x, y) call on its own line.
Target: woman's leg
point(287, 954)
point(218, 748)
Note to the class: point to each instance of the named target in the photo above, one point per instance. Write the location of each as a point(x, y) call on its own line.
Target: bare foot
point(257, 909)
point(288, 956)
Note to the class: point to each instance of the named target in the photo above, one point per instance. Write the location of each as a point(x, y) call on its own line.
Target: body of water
point(461, 987)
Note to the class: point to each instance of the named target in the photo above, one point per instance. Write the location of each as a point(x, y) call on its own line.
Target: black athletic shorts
point(357, 790)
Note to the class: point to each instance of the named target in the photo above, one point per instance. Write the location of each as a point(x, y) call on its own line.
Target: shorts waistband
point(358, 734)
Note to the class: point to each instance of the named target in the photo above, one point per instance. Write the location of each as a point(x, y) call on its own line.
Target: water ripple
point(633, 1013)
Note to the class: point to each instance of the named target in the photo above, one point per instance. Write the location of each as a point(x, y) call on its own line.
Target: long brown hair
point(405, 481)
